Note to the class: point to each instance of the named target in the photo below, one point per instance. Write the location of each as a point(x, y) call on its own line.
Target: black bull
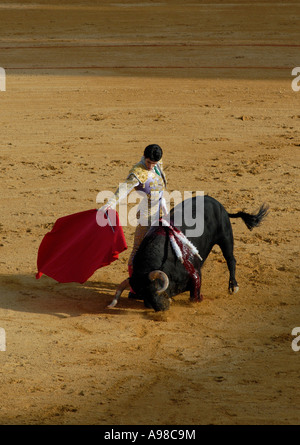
point(158, 275)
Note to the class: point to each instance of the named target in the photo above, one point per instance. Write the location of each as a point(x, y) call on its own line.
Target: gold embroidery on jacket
point(143, 174)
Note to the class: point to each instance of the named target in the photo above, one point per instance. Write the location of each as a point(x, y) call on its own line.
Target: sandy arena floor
point(88, 86)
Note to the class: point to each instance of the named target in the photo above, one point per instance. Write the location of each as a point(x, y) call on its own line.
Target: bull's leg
point(233, 285)
point(227, 250)
point(195, 294)
point(195, 286)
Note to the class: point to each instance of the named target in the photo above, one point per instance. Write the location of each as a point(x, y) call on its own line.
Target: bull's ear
point(159, 275)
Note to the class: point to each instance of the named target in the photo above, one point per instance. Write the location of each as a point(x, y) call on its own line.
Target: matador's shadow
point(45, 296)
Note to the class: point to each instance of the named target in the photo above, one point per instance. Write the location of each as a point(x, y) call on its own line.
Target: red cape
point(77, 246)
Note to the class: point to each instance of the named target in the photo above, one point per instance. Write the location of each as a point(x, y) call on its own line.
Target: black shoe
point(134, 296)
point(147, 305)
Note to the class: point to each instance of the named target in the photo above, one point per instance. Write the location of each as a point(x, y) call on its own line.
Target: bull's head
point(152, 288)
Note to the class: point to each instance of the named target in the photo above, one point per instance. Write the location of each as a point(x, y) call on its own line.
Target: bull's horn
point(159, 274)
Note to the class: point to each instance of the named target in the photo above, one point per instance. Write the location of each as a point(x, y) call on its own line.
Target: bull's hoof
point(233, 286)
point(197, 299)
point(233, 289)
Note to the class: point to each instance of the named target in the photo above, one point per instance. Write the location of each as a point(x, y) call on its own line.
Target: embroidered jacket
point(151, 182)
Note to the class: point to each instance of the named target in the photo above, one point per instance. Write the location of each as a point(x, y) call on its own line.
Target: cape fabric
point(77, 246)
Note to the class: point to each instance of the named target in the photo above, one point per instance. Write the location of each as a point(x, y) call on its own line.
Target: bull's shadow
point(45, 296)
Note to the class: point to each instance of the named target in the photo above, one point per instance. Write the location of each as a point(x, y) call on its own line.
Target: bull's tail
point(252, 219)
